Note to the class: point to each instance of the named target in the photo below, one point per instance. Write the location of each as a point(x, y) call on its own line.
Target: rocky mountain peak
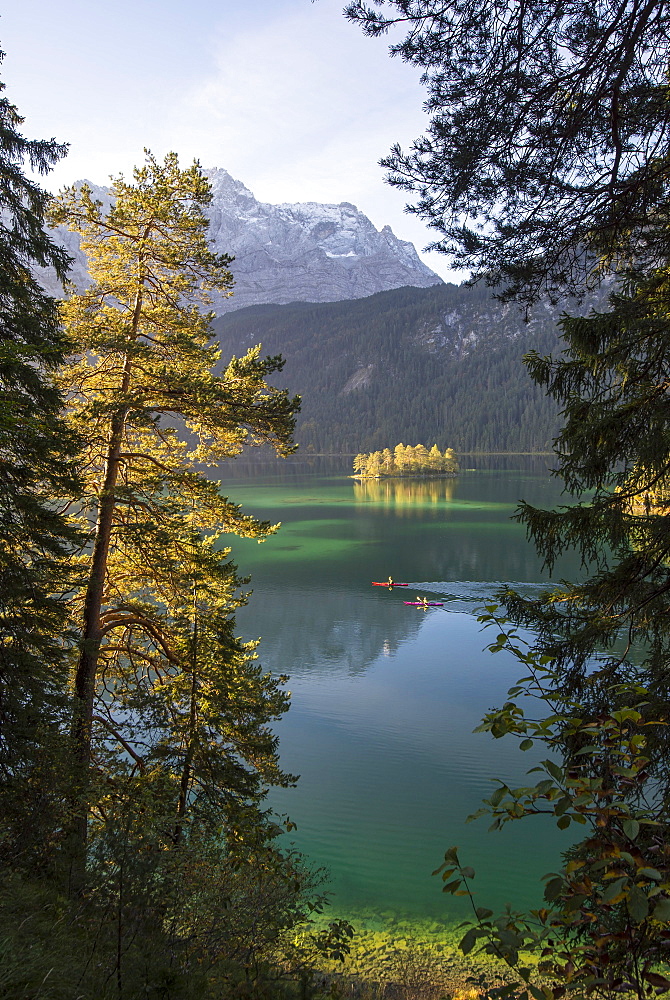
point(302, 252)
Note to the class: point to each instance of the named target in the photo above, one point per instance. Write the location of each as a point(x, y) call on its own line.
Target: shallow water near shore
point(385, 696)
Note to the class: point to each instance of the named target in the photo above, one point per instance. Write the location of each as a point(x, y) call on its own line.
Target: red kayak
point(425, 604)
point(387, 584)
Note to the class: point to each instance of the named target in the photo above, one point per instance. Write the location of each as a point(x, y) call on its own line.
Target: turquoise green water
point(385, 696)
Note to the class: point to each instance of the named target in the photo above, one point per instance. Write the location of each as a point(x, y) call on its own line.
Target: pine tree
point(210, 704)
point(450, 462)
point(143, 391)
point(421, 457)
point(388, 463)
point(359, 464)
point(374, 463)
point(615, 449)
point(598, 660)
point(608, 637)
point(399, 455)
point(36, 468)
point(546, 154)
point(546, 165)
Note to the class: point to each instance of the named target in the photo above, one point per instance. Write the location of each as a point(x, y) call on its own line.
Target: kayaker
point(390, 583)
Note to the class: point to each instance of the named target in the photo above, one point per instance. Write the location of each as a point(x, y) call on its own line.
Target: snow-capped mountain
point(291, 253)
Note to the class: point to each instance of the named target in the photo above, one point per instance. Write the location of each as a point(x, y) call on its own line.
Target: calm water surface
point(385, 696)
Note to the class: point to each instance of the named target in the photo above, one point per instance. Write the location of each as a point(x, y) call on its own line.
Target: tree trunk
point(85, 677)
point(193, 721)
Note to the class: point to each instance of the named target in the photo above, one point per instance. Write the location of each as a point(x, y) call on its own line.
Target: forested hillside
point(440, 364)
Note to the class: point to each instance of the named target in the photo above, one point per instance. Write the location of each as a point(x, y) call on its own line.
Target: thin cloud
point(302, 108)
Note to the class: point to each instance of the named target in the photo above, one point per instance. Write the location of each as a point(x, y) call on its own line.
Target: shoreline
point(400, 958)
point(411, 475)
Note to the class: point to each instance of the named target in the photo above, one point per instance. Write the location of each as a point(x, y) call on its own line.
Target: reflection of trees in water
point(402, 493)
point(270, 469)
point(261, 467)
point(336, 632)
point(470, 555)
point(530, 464)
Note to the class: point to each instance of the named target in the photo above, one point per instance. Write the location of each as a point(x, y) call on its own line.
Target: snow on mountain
point(291, 252)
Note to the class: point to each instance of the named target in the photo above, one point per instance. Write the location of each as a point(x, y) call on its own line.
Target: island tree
point(406, 460)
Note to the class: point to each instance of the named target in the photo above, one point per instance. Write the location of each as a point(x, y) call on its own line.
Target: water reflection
point(384, 698)
point(335, 633)
point(346, 632)
point(403, 492)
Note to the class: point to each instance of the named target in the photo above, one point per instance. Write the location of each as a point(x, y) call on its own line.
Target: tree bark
point(91, 638)
point(193, 721)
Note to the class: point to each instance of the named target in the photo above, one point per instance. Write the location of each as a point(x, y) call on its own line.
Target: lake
point(385, 696)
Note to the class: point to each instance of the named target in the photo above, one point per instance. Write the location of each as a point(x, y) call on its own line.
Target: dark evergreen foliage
point(613, 449)
point(599, 662)
point(548, 137)
point(546, 165)
point(440, 364)
point(35, 468)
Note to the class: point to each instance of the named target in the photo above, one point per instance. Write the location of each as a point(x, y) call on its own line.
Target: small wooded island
point(406, 460)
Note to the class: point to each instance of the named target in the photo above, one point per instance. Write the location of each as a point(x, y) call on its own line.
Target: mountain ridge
point(304, 251)
point(381, 349)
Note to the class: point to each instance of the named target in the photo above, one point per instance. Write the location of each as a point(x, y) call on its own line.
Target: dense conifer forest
point(440, 364)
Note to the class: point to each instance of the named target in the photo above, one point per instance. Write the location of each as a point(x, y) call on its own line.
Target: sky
point(286, 95)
